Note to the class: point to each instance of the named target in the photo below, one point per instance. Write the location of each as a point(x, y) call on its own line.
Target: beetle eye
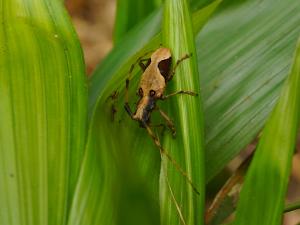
point(152, 93)
point(140, 92)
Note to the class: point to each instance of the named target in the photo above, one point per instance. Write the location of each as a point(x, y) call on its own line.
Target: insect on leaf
point(121, 160)
point(177, 195)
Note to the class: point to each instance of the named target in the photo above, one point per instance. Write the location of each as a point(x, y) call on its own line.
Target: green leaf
point(263, 193)
point(130, 13)
point(238, 89)
point(197, 4)
point(107, 186)
point(244, 52)
point(119, 181)
point(43, 112)
point(114, 62)
point(187, 149)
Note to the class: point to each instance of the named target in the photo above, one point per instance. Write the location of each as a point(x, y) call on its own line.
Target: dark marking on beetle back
point(164, 67)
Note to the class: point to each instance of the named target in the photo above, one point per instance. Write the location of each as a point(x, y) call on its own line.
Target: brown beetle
point(157, 72)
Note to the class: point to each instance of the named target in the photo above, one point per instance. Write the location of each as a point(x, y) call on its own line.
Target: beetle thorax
point(152, 80)
point(152, 86)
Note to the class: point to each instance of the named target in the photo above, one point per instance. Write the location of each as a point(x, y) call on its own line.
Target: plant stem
point(292, 206)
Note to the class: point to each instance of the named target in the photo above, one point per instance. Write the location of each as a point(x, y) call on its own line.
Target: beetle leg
point(113, 97)
point(139, 61)
point(179, 92)
point(153, 137)
point(113, 112)
point(161, 125)
point(126, 106)
point(172, 73)
point(169, 157)
point(158, 125)
point(128, 110)
point(170, 123)
point(144, 66)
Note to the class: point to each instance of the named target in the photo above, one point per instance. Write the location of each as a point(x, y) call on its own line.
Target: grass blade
point(262, 197)
point(187, 149)
point(292, 206)
point(43, 112)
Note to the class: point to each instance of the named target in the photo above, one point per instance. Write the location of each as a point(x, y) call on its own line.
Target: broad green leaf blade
point(137, 40)
point(238, 89)
point(263, 193)
point(119, 56)
point(119, 181)
point(187, 148)
point(244, 51)
point(130, 13)
point(105, 179)
point(43, 112)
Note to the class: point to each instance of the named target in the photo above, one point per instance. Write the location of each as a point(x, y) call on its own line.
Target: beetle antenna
point(169, 157)
point(137, 61)
point(165, 171)
point(130, 73)
point(172, 72)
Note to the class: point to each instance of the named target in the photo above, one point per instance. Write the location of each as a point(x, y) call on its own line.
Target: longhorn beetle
point(157, 72)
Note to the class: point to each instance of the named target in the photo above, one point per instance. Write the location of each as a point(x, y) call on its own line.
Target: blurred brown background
point(94, 21)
